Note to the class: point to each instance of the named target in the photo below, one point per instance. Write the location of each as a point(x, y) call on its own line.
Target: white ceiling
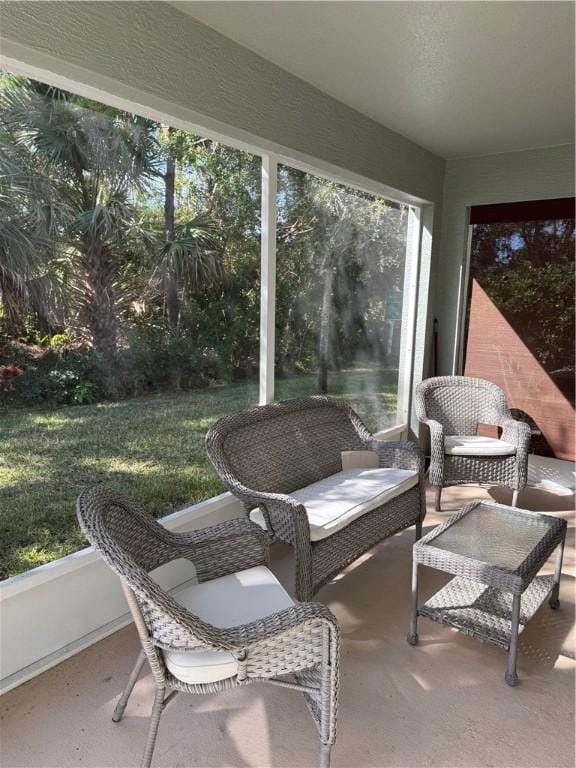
point(459, 78)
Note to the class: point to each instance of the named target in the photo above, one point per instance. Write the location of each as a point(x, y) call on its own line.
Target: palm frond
point(193, 257)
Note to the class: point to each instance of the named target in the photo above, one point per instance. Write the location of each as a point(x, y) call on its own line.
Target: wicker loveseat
point(284, 463)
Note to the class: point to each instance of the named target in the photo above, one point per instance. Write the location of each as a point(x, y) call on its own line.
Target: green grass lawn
point(150, 447)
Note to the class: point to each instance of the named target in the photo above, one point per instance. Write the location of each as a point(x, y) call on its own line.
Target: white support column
point(268, 279)
point(463, 288)
point(409, 306)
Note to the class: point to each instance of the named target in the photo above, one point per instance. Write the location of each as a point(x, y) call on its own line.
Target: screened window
point(129, 317)
point(131, 273)
point(341, 258)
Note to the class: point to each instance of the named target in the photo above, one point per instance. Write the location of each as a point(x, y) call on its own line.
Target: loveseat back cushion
point(279, 448)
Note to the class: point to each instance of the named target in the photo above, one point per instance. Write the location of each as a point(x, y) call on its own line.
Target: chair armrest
point(516, 432)
point(181, 630)
point(437, 437)
point(400, 455)
point(437, 432)
point(234, 545)
point(279, 623)
point(280, 510)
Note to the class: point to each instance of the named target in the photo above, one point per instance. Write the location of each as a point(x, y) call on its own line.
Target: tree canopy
point(129, 255)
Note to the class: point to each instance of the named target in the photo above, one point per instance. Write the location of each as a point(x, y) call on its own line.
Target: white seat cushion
point(225, 602)
point(337, 500)
point(475, 445)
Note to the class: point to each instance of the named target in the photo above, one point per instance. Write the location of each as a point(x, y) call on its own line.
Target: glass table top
point(499, 536)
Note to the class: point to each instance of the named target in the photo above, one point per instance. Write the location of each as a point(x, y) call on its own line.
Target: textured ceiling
point(459, 78)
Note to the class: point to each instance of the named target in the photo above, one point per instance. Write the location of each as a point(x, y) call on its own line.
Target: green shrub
point(154, 358)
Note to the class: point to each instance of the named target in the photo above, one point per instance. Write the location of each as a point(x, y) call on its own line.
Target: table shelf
point(482, 611)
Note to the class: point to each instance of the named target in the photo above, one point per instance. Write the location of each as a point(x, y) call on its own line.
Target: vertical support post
point(409, 306)
point(424, 312)
point(268, 279)
point(463, 286)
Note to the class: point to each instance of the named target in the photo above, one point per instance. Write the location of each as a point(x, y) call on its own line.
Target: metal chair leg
point(437, 497)
point(123, 700)
point(153, 728)
point(515, 498)
point(325, 755)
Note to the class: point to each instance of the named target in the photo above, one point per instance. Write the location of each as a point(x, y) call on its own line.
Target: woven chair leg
point(325, 750)
point(153, 728)
point(515, 498)
point(123, 700)
point(437, 498)
point(554, 600)
point(511, 676)
point(304, 587)
point(418, 530)
point(328, 703)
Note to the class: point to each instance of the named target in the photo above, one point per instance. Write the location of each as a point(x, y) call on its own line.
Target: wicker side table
point(494, 553)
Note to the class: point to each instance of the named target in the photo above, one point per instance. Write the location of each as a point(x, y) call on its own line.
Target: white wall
point(536, 174)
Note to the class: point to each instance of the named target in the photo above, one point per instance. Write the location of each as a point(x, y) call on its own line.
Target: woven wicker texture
point(299, 643)
point(509, 566)
point(454, 405)
point(495, 551)
point(485, 612)
point(264, 453)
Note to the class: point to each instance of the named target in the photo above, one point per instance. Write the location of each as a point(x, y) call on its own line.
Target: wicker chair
point(195, 642)
point(270, 456)
point(452, 407)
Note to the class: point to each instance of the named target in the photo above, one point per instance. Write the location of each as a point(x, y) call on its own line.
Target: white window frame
point(271, 155)
point(409, 312)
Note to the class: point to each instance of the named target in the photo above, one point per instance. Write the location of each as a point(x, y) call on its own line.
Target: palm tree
point(28, 222)
point(189, 259)
point(94, 160)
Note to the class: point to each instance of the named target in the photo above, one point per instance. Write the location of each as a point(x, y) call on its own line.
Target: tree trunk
point(14, 313)
point(172, 303)
point(325, 318)
point(99, 306)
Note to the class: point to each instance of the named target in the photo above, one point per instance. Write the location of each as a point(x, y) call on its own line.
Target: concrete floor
point(443, 703)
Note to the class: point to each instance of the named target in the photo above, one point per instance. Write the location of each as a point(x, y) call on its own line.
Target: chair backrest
point(130, 541)
point(459, 403)
point(279, 448)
